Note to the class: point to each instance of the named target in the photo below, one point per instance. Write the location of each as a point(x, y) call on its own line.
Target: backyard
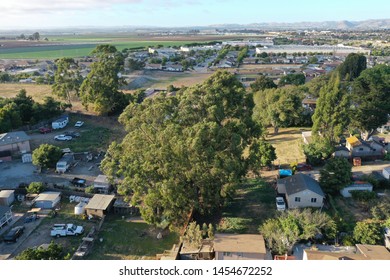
point(130, 239)
point(254, 202)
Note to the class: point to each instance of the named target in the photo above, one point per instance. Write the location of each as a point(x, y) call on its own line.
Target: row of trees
point(23, 110)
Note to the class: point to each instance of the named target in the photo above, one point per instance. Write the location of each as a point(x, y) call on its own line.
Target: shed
point(99, 205)
point(386, 172)
point(239, 247)
point(47, 200)
point(7, 197)
point(101, 184)
point(356, 186)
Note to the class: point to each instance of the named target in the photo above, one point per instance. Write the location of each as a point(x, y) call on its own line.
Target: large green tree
point(282, 232)
point(262, 82)
point(371, 99)
point(280, 107)
point(353, 65)
point(331, 116)
point(335, 175)
point(101, 87)
point(368, 232)
point(292, 79)
point(52, 252)
point(67, 78)
point(46, 156)
point(184, 152)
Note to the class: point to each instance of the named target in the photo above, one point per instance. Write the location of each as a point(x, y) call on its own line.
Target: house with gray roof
point(300, 190)
point(14, 143)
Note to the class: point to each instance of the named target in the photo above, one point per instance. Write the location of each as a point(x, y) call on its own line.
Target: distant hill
point(344, 25)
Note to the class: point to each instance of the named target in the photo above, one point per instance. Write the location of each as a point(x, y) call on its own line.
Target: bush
point(348, 241)
point(35, 187)
point(363, 195)
point(90, 189)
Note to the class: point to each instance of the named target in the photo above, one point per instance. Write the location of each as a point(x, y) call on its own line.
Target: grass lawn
point(288, 145)
point(37, 92)
point(253, 204)
point(131, 240)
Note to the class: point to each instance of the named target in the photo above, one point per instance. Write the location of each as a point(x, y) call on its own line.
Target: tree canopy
point(262, 82)
point(101, 87)
point(52, 252)
point(353, 65)
point(282, 232)
point(368, 232)
point(371, 99)
point(331, 116)
point(280, 107)
point(67, 79)
point(335, 175)
point(184, 152)
point(292, 79)
point(46, 155)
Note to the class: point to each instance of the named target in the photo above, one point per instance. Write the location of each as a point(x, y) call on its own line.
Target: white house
point(301, 191)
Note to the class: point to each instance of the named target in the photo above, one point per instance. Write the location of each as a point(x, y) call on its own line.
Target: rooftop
point(13, 137)
point(300, 182)
point(6, 193)
point(48, 196)
point(100, 202)
point(248, 243)
point(353, 141)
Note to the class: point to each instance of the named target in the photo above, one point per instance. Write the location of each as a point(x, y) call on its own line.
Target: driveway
point(8, 250)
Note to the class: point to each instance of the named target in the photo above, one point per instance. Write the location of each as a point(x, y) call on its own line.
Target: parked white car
point(280, 204)
point(79, 124)
point(65, 230)
point(62, 137)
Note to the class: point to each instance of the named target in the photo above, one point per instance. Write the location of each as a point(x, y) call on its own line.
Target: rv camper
point(64, 163)
point(60, 123)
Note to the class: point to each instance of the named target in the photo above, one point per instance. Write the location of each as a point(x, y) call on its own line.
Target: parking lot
point(15, 172)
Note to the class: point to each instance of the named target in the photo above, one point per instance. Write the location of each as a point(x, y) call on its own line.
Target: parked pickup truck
point(65, 230)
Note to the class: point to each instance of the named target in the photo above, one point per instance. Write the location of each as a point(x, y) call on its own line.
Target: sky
point(182, 13)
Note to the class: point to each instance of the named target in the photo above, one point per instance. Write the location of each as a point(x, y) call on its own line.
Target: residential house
point(341, 151)
point(239, 247)
point(384, 128)
point(174, 68)
point(362, 252)
point(14, 143)
point(7, 197)
point(364, 149)
point(153, 66)
point(47, 200)
point(356, 186)
point(300, 191)
point(99, 205)
point(203, 252)
point(309, 103)
point(5, 215)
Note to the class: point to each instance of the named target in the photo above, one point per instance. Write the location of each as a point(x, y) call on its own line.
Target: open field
point(82, 45)
point(37, 92)
point(288, 145)
point(130, 240)
point(253, 204)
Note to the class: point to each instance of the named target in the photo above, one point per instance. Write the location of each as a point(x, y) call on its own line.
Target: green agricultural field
point(77, 48)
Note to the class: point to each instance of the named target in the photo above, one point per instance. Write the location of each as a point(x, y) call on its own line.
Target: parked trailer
point(64, 163)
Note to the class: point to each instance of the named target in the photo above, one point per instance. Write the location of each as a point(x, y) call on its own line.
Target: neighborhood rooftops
point(300, 182)
point(248, 243)
point(100, 202)
point(13, 137)
point(363, 252)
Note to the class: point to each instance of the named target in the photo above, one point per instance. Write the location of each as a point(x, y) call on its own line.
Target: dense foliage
point(53, 252)
point(184, 152)
point(368, 232)
point(23, 110)
point(335, 175)
point(282, 232)
point(46, 156)
point(353, 65)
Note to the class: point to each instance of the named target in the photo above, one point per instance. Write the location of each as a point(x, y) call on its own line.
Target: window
point(227, 254)
point(360, 149)
point(313, 200)
point(297, 199)
point(240, 254)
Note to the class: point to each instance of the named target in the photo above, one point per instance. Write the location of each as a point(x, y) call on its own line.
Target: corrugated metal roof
point(13, 137)
point(100, 202)
point(52, 196)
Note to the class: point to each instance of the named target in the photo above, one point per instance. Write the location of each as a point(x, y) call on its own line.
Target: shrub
point(363, 195)
point(35, 187)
